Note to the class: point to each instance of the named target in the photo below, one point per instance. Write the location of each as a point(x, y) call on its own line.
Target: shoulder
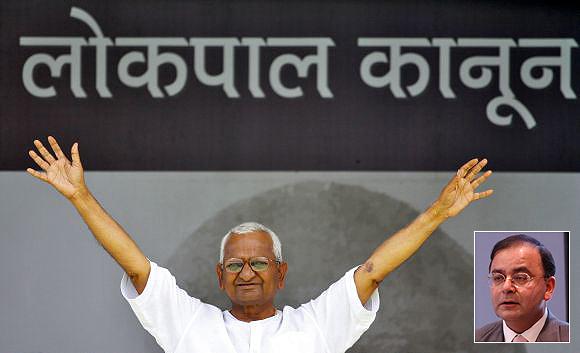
point(555, 330)
point(490, 333)
point(553, 320)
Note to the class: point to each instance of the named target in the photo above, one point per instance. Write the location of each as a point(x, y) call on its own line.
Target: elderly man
point(251, 272)
point(522, 280)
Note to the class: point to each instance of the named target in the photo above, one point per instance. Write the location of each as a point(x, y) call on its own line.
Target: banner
point(292, 85)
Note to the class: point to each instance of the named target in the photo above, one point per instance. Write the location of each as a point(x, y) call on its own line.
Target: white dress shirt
point(530, 334)
point(331, 323)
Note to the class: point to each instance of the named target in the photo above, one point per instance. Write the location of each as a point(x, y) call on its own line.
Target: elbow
point(138, 283)
point(132, 275)
point(138, 279)
point(372, 275)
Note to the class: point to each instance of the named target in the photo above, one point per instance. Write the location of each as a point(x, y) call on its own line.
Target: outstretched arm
point(457, 194)
point(68, 178)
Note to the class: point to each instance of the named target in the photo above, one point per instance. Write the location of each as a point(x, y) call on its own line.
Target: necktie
point(520, 338)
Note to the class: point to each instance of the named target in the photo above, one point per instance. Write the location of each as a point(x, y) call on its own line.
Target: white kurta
point(331, 323)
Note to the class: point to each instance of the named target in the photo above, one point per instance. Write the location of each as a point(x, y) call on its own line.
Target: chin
point(508, 315)
point(249, 299)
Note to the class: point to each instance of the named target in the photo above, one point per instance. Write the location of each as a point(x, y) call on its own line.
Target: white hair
point(250, 227)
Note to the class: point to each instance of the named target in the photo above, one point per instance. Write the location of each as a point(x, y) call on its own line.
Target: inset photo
point(521, 286)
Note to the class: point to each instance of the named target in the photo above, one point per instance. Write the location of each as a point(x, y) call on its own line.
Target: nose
point(508, 287)
point(247, 273)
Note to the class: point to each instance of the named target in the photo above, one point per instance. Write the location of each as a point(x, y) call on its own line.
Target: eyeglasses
point(518, 279)
point(257, 264)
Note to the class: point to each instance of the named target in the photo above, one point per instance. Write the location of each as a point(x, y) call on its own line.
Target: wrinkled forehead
point(249, 245)
point(518, 257)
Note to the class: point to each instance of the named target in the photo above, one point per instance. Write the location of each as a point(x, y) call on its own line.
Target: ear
point(282, 270)
point(219, 272)
point(550, 286)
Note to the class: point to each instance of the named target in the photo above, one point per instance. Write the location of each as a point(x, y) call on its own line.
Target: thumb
point(76, 158)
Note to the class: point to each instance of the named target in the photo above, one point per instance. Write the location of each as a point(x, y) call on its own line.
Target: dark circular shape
point(328, 228)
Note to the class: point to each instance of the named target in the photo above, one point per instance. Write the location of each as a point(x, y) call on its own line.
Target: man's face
point(249, 287)
point(520, 306)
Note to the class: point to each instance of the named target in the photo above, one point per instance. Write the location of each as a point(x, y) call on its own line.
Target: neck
point(249, 313)
point(521, 326)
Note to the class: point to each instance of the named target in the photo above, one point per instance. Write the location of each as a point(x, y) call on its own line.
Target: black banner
point(292, 85)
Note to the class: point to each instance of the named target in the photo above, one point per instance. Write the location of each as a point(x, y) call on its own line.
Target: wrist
point(80, 195)
point(437, 213)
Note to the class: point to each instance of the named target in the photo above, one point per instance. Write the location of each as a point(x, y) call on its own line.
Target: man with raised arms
point(250, 271)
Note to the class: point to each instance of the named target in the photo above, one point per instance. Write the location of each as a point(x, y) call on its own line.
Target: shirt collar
point(231, 319)
point(530, 334)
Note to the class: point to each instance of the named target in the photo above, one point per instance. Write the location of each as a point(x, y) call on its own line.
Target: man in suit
point(522, 280)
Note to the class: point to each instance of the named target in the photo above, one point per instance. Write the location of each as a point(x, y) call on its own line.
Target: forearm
point(113, 238)
point(455, 196)
point(403, 244)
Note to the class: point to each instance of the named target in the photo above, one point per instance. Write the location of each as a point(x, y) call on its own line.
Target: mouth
point(247, 284)
point(509, 303)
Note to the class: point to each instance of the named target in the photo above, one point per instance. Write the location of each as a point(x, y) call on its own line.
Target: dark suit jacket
point(554, 330)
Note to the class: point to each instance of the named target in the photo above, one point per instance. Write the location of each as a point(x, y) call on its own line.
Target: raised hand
point(460, 191)
point(64, 175)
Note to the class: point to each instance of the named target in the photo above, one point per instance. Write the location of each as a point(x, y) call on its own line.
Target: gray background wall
point(60, 290)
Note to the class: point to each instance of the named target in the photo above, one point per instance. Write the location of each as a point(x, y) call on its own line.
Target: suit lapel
point(550, 331)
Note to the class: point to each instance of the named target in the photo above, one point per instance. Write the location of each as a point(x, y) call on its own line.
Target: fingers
point(45, 154)
point(476, 169)
point(41, 162)
point(76, 158)
point(482, 195)
point(462, 172)
point(468, 172)
point(34, 173)
point(56, 148)
point(481, 179)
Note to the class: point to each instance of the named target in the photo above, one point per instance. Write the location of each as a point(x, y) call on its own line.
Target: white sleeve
point(162, 308)
point(340, 315)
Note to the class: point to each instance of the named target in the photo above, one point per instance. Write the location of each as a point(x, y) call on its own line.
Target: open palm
point(460, 191)
point(64, 175)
